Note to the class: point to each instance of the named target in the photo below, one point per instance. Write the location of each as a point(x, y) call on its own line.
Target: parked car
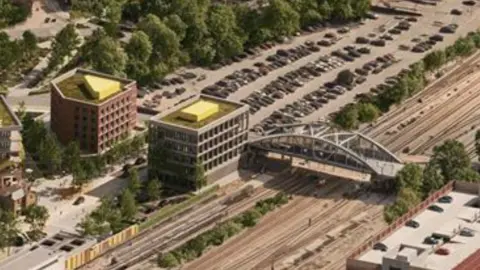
point(445, 199)
point(467, 232)
point(442, 251)
point(430, 240)
point(435, 208)
point(380, 246)
point(412, 224)
point(79, 200)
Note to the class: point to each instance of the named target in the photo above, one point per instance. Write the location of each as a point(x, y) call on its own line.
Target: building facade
point(15, 192)
point(94, 109)
point(205, 135)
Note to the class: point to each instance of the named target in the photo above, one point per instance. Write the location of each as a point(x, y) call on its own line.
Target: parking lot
point(295, 81)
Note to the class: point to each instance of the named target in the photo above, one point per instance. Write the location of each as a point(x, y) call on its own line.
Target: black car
point(430, 240)
point(435, 208)
point(380, 246)
point(412, 224)
point(445, 199)
point(79, 200)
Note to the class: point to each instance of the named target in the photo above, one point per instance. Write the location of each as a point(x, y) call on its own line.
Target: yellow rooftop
point(199, 111)
point(101, 88)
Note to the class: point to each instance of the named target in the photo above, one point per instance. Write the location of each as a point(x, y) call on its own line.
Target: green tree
point(49, 153)
point(134, 184)
point(345, 77)
point(107, 56)
point(410, 176)
point(10, 51)
point(463, 47)
point(308, 10)
point(367, 112)
point(71, 156)
point(174, 22)
point(200, 178)
point(139, 48)
point(154, 189)
point(21, 111)
point(347, 118)
point(165, 43)
point(281, 19)
point(79, 175)
point(360, 7)
point(137, 144)
point(223, 27)
point(167, 260)
point(127, 205)
point(65, 42)
point(36, 216)
point(434, 60)
point(451, 157)
point(467, 174)
point(477, 143)
point(9, 227)
point(342, 10)
point(250, 218)
point(29, 42)
point(89, 227)
point(432, 179)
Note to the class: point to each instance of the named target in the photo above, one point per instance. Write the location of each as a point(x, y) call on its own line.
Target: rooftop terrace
point(203, 116)
point(458, 214)
point(89, 86)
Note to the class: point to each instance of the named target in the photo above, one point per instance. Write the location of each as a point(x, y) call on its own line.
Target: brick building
point(15, 192)
point(92, 108)
point(205, 131)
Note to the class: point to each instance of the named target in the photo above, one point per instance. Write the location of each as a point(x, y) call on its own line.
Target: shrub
point(167, 260)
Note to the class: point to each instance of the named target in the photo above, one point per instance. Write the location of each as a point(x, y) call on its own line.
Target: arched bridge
point(321, 143)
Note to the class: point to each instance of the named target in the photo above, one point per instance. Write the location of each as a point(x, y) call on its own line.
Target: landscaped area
point(224, 108)
point(75, 87)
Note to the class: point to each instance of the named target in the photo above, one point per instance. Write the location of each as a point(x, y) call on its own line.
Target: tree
point(467, 174)
point(174, 22)
point(167, 260)
point(63, 45)
point(223, 27)
point(9, 227)
point(309, 12)
point(36, 216)
point(134, 184)
point(200, 178)
point(139, 48)
point(137, 144)
point(89, 227)
point(49, 153)
point(410, 176)
point(10, 51)
point(281, 19)
point(107, 56)
point(71, 156)
point(434, 60)
point(165, 43)
point(367, 112)
point(347, 118)
point(154, 189)
point(451, 157)
point(345, 77)
point(21, 111)
point(79, 175)
point(477, 143)
point(463, 47)
point(29, 42)
point(127, 205)
point(432, 179)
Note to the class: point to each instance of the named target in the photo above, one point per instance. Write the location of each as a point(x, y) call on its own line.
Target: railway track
point(168, 238)
point(432, 92)
point(435, 116)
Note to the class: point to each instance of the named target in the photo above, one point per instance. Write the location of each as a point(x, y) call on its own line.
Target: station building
point(204, 132)
point(92, 108)
point(407, 248)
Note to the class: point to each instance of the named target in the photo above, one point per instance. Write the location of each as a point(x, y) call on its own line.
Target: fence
point(401, 220)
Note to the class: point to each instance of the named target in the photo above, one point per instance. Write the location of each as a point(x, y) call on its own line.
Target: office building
point(92, 108)
point(204, 133)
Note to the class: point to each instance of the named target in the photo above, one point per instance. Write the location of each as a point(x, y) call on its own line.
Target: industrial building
point(65, 251)
point(92, 108)
point(440, 240)
point(15, 192)
point(204, 132)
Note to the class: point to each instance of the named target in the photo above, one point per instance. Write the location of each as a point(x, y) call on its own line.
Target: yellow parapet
point(199, 111)
point(101, 88)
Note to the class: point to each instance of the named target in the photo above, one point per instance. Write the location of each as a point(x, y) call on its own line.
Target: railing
point(401, 220)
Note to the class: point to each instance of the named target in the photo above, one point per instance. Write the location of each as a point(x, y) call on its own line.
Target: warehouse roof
point(457, 214)
point(200, 112)
point(89, 86)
